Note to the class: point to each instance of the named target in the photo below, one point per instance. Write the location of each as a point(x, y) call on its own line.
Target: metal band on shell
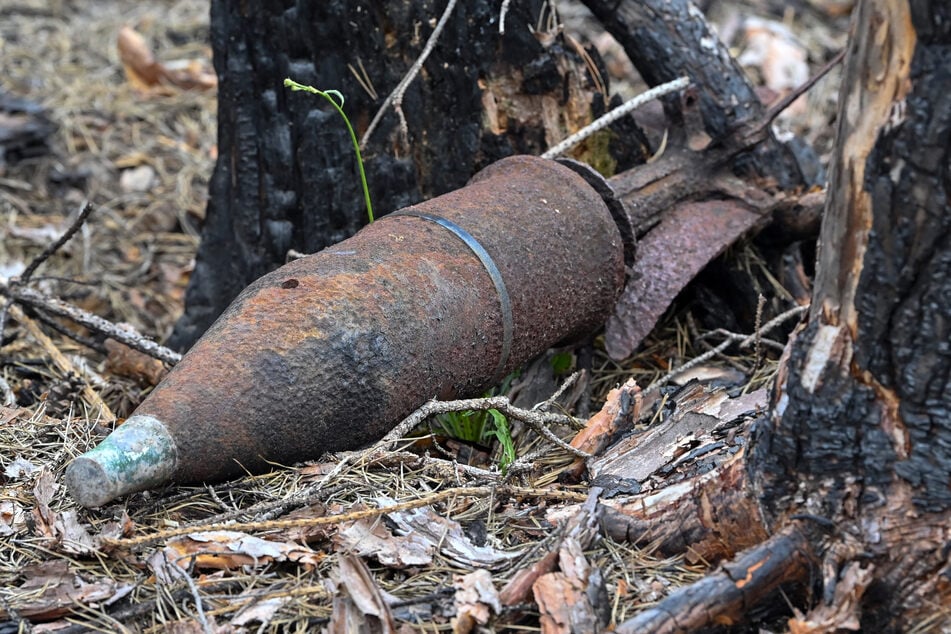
point(494, 274)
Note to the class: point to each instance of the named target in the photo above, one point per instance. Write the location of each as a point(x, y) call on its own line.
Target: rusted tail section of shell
point(331, 350)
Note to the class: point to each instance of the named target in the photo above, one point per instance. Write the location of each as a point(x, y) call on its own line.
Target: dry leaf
point(259, 612)
point(73, 536)
point(19, 468)
point(52, 589)
point(144, 72)
point(8, 414)
point(844, 611)
point(371, 538)
point(190, 74)
point(226, 550)
point(12, 518)
point(476, 600)
point(43, 490)
point(358, 604)
point(139, 64)
point(448, 536)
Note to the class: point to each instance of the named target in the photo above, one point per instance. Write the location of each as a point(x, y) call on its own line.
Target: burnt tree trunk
point(846, 485)
point(286, 175)
point(861, 432)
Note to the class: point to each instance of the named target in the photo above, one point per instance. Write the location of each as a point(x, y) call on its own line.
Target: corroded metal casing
point(332, 350)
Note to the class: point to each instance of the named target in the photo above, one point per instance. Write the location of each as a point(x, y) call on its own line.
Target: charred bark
point(854, 456)
point(286, 175)
point(666, 39)
point(861, 432)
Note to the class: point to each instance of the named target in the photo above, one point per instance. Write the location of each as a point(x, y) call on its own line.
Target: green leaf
point(332, 96)
point(561, 363)
point(504, 437)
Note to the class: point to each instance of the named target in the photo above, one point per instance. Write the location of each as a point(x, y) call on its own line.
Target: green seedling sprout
point(333, 96)
point(481, 426)
point(504, 436)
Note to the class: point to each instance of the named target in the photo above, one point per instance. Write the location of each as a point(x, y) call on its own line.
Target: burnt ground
point(143, 159)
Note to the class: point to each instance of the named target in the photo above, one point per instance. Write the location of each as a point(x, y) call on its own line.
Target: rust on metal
point(669, 256)
point(331, 350)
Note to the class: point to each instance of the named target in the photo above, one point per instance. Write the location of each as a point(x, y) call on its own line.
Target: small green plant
point(481, 426)
point(561, 363)
point(504, 436)
point(333, 96)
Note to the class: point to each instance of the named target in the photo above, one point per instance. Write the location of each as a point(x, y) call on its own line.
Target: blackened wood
point(24, 129)
point(724, 597)
point(861, 432)
point(667, 39)
point(286, 175)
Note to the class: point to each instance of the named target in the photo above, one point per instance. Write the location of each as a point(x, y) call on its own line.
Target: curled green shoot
point(336, 100)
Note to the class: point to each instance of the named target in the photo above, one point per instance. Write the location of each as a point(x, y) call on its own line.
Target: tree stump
point(861, 426)
point(849, 472)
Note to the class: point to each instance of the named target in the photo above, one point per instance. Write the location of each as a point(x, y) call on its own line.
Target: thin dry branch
point(538, 421)
point(50, 249)
point(426, 500)
point(610, 117)
point(724, 596)
point(395, 98)
point(58, 307)
point(731, 338)
point(16, 290)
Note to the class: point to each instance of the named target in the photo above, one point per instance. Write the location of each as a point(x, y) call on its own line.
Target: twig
point(545, 405)
point(537, 421)
point(732, 337)
point(16, 291)
point(305, 522)
point(187, 578)
point(610, 117)
point(777, 108)
point(364, 79)
point(396, 97)
point(60, 308)
point(61, 361)
point(758, 342)
point(58, 244)
point(24, 277)
point(48, 321)
point(502, 13)
point(761, 124)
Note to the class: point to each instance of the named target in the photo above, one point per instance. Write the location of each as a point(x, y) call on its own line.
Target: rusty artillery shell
point(330, 351)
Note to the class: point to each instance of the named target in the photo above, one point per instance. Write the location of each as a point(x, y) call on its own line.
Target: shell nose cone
point(138, 455)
